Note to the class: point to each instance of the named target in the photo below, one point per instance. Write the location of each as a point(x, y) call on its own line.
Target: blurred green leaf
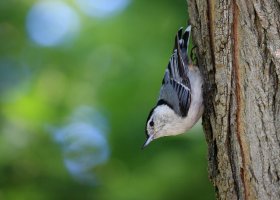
point(115, 64)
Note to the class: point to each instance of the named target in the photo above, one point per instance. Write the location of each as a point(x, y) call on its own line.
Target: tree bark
point(239, 55)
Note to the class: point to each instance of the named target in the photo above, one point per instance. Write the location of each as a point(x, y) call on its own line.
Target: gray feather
point(176, 85)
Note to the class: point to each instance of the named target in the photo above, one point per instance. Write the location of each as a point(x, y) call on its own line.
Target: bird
point(180, 102)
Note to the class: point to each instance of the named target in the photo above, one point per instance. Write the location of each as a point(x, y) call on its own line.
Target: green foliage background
point(115, 65)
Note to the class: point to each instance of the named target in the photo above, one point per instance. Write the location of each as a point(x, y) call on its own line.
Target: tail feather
point(178, 37)
point(180, 56)
point(182, 43)
point(181, 50)
point(186, 37)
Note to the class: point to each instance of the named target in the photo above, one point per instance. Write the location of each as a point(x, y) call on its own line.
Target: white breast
point(196, 107)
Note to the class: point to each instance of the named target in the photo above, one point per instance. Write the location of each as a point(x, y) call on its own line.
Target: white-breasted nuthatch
point(180, 102)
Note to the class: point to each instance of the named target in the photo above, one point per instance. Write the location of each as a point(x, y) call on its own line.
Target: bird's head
point(162, 121)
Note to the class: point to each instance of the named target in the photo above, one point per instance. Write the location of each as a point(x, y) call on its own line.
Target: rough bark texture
point(239, 55)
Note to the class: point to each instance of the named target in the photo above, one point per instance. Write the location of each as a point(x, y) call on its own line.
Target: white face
point(163, 122)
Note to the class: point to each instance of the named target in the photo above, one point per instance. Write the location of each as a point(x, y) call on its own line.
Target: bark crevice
point(239, 103)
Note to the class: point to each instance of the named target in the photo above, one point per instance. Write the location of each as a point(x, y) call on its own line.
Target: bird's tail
point(181, 48)
point(182, 43)
point(186, 38)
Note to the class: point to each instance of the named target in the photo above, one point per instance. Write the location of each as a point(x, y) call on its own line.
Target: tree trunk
point(239, 55)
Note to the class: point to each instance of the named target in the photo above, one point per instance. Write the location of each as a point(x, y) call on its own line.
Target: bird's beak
point(148, 141)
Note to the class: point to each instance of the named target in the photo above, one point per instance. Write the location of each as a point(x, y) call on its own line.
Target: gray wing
point(176, 88)
point(176, 94)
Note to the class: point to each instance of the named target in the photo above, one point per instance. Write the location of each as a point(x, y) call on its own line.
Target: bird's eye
point(151, 123)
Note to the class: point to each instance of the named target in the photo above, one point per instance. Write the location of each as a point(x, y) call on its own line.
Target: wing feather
point(176, 89)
